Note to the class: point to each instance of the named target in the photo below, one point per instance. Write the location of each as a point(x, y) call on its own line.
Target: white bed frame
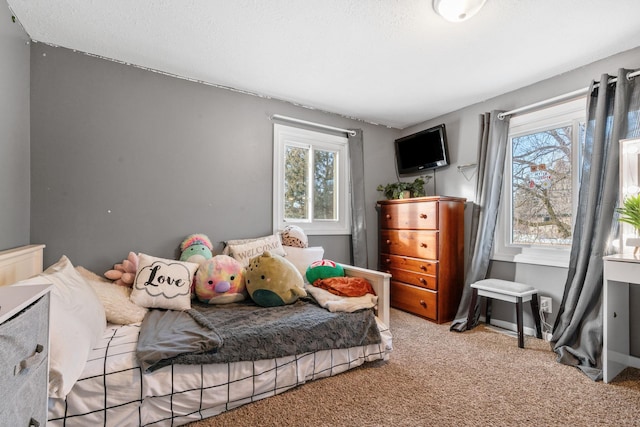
point(20, 263)
point(244, 381)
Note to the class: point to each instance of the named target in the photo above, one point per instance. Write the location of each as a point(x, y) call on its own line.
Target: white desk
point(619, 271)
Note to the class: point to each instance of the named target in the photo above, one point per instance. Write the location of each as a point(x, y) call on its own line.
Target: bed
point(113, 390)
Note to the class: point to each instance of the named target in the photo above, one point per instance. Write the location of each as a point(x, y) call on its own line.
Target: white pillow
point(115, 299)
point(163, 283)
point(77, 322)
point(244, 250)
point(303, 257)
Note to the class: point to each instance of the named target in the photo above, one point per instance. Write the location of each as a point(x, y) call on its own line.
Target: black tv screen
point(424, 150)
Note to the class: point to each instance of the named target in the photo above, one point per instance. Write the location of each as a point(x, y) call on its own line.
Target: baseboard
point(514, 328)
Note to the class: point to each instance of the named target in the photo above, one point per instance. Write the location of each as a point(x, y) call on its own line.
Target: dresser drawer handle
point(423, 303)
point(423, 216)
point(423, 267)
point(33, 360)
point(388, 242)
point(387, 261)
point(423, 245)
point(421, 280)
point(388, 216)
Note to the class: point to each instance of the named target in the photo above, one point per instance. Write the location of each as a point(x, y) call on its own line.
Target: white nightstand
point(619, 271)
point(24, 352)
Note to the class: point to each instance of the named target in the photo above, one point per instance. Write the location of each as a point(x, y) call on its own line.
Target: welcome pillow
point(244, 250)
point(163, 283)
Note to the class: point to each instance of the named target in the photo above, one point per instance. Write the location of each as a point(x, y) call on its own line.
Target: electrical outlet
point(545, 304)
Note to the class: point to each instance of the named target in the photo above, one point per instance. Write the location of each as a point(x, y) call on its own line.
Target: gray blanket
point(244, 331)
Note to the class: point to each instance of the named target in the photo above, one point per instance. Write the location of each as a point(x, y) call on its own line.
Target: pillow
point(244, 250)
point(163, 283)
point(77, 322)
point(303, 257)
point(115, 299)
point(292, 235)
point(323, 269)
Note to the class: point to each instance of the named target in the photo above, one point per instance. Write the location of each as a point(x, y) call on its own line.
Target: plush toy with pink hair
point(124, 273)
point(220, 280)
point(196, 248)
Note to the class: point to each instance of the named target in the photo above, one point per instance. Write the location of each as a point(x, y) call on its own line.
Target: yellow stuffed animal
point(272, 281)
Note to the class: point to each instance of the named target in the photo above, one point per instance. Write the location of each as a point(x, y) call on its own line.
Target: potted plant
point(403, 190)
point(630, 214)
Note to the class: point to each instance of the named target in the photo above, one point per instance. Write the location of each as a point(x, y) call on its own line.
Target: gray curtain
point(490, 170)
point(358, 223)
point(577, 332)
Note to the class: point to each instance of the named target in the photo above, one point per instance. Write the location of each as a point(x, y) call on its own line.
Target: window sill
point(550, 258)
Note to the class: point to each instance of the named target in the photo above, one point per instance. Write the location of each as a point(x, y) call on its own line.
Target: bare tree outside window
point(542, 192)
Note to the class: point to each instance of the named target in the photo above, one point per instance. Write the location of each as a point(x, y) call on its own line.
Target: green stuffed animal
point(273, 281)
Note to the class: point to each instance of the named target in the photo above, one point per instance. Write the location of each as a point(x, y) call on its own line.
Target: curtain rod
point(561, 98)
point(317, 125)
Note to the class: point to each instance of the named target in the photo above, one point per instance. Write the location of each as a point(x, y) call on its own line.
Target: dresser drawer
point(388, 261)
point(413, 299)
point(417, 244)
point(23, 352)
point(413, 278)
point(417, 216)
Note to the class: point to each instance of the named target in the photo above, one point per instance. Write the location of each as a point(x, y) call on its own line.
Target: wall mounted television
point(421, 151)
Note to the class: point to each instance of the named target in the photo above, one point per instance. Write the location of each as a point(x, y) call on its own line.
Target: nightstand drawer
point(417, 216)
point(388, 261)
point(413, 299)
point(417, 244)
point(23, 351)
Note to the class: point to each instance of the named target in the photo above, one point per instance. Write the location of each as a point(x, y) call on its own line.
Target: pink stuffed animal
point(124, 274)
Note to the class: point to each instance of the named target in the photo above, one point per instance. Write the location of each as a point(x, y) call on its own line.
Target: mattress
point(113, 390)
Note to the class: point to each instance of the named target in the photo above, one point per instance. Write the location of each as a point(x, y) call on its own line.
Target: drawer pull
point(388, 242)
point(388, 216)
point(423, 267)
point(423, 216)
point(387, 261)
point(33, 360)
point(423, 303)
point(421, 280)
point(423, 245)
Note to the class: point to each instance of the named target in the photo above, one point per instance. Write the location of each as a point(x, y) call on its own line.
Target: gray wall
point(14, 132)
point(124, 159)
point(462, 132)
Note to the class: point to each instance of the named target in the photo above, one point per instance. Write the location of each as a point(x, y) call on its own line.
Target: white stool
point(505, 290)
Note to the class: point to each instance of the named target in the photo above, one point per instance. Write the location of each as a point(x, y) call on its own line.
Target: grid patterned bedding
point(113, 391)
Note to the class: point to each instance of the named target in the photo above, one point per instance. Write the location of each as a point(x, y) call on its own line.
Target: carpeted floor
point(440, 378)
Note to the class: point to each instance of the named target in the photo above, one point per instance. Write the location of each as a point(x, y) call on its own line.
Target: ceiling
point(391, 62)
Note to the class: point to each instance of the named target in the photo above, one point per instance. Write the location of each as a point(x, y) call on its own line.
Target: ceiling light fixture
point(457, 10)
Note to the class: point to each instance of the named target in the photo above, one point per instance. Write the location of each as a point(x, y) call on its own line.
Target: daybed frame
point(161, 406)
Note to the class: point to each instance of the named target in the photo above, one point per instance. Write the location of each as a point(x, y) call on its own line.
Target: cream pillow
point(115, 299)
point(77, 322)
point(303, 257)
point(163, 283)
point(244, 250)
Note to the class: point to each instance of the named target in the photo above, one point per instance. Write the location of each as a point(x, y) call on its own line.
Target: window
point(310, 184)
point(541, 184)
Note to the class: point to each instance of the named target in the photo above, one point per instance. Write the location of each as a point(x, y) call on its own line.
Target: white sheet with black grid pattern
point(113, 391)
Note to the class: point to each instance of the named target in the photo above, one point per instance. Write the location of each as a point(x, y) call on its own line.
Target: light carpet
point(440, 378)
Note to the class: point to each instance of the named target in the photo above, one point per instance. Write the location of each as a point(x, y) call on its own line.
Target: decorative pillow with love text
point(163, 283)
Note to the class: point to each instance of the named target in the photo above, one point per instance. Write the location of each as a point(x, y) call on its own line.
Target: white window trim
point(571, 111)
point(287, 135)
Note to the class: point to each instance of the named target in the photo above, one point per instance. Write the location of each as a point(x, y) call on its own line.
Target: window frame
point(572, 112)
point(284, 136)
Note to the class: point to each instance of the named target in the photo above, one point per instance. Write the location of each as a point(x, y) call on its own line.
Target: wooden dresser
point(421, 245)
